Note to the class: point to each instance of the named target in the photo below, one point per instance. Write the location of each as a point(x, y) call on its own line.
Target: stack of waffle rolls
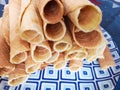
point(38, 33)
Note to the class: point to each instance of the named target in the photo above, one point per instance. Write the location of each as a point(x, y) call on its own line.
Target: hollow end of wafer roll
point(32, 36)
point(18, 76)
point(19, 58)
point(86, 18)
point(54, 32)
point(32, 68)
point(32, 32)
point(62, 46)
point(40, 52)
point(52, 11)
point(60, 62)
point(88, 40)
point(75, 65)
point(17, 80)
point(30, 65)
point(76, 53)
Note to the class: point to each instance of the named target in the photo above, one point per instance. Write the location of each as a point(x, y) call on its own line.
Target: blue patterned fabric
point(90, 77)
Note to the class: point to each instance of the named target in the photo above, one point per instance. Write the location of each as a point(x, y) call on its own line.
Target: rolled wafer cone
point(23, 8)
point(30, 65)
point(88, 40)
point(18, 47)
point(5, 24)
point(73, 5)
point(64, 44)
point(75, 65)
point(55, 32)
point(18, 76)
point(60, 63)
point(5, 66)
point(51, 11)
point(76, 53)
point(107, 61)
point(41, 52)
point(32, 32)
point(85, 15)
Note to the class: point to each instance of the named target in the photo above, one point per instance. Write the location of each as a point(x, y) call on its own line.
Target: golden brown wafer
point(55, 32)
point(30, 65)
point(107, 61)
point(5, 24)
point(18, 76)
point(64, 44)
point(5, 66)
point(76, 53)
point(85, 15)
point(51, 11)
point(88, 40)
point(18, 47)
point(60, 63)
point(75, 65)
point(41, 52)
point(32, 32)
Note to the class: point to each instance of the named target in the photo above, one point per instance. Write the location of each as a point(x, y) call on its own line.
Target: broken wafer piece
point(51, 11)
point(55, 32)
point(107, 61)
point(32, 32)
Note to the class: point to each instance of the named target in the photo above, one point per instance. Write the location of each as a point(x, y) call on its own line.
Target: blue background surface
point(111, 18)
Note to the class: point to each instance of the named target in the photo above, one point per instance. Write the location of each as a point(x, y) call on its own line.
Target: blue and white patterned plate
point(90, 77)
